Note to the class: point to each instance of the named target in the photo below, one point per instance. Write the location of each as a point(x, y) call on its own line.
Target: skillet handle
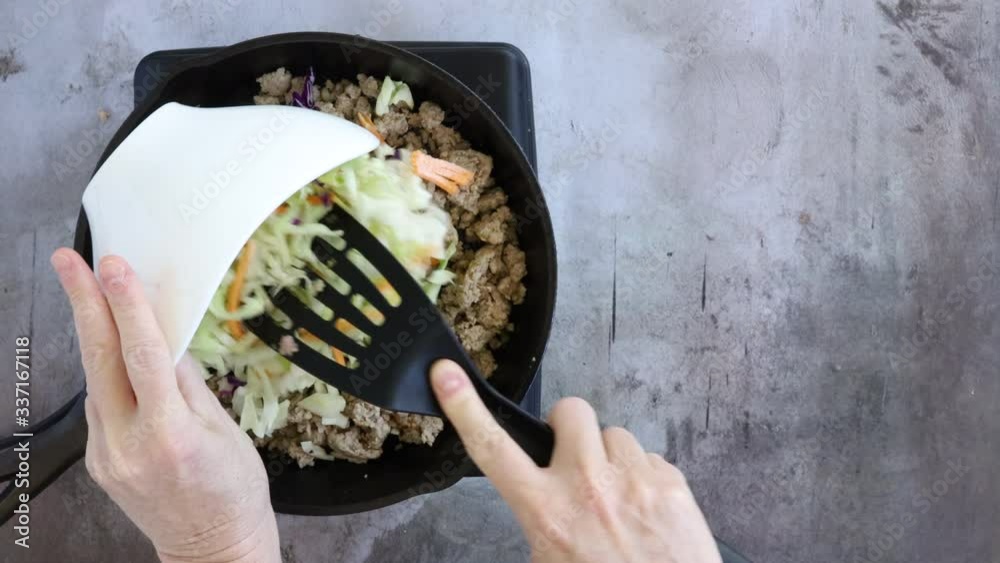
point(533, 435)
point(57, 443)
point(729, 555)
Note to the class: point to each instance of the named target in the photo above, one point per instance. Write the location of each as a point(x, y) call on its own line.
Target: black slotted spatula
point(391, 370)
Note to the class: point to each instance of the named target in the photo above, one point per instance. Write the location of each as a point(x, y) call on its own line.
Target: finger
point(489, 446)
point(144, 348)
point(96, 456)
point(578, 436)
point(191, 382)
point(623, 449)
point(668, 472)
point(656, 460)
point(94, 423)
point(107, 382)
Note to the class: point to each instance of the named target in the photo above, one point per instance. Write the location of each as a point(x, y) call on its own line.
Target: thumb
point(489, 446)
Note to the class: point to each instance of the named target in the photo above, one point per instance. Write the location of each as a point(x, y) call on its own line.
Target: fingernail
point(112, 274)
point(60, 262)
point(447, 378)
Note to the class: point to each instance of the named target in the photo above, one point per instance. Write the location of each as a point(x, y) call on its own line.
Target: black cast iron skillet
point(227, 78)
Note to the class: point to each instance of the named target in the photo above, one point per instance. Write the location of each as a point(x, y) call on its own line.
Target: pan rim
point(155, 98)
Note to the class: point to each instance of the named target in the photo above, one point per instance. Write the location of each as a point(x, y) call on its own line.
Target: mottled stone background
point(778, 242)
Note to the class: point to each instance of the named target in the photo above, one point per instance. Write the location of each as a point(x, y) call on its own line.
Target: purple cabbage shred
point(305, 99)
point(235, 381)
point(296, 221)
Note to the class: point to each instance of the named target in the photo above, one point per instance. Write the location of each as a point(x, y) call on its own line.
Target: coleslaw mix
point(384, 192)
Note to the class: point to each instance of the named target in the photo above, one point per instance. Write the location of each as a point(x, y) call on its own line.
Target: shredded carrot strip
point(440, 181)
point(281, 209)
point(343, 326)
point(373, 314)
point(314, 200)
point(338, 356)
point(236, 288)
point(365, 120)
point(446, 175)
point(307, 336)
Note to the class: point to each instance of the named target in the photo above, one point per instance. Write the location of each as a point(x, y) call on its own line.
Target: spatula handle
point(533, 435)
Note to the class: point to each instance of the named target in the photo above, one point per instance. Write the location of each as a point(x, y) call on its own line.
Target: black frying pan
point(227, 78)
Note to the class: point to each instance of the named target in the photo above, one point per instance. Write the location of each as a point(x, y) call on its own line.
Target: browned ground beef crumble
point(489, 264)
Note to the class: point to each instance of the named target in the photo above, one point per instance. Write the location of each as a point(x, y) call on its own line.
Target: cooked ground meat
point(429, 116)
point(442, 139)
point(491, 200)
point(369, 85)
point(393, 126)
point(488, 264)
point(492, 229)
point(485, 361)
point(327, 107)
point(344, 106)
point(275, 83)
point(415, 429)
point(481, 165)
point(263, 100)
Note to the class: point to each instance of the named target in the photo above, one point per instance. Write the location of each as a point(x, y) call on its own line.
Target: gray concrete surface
point(779, 267)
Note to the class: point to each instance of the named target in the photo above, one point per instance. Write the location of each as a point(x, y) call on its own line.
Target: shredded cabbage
point(391, 94)
point(402, 95)
point(385, 196)
point(316, 451)
point(328, 406)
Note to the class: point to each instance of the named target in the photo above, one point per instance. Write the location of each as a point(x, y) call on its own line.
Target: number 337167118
point(22, 371)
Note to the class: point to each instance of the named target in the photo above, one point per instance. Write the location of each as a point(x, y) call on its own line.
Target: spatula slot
point(375, 276)
point(320, 328)
point(356, 312)
point(345, 269)
point(331, 353)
